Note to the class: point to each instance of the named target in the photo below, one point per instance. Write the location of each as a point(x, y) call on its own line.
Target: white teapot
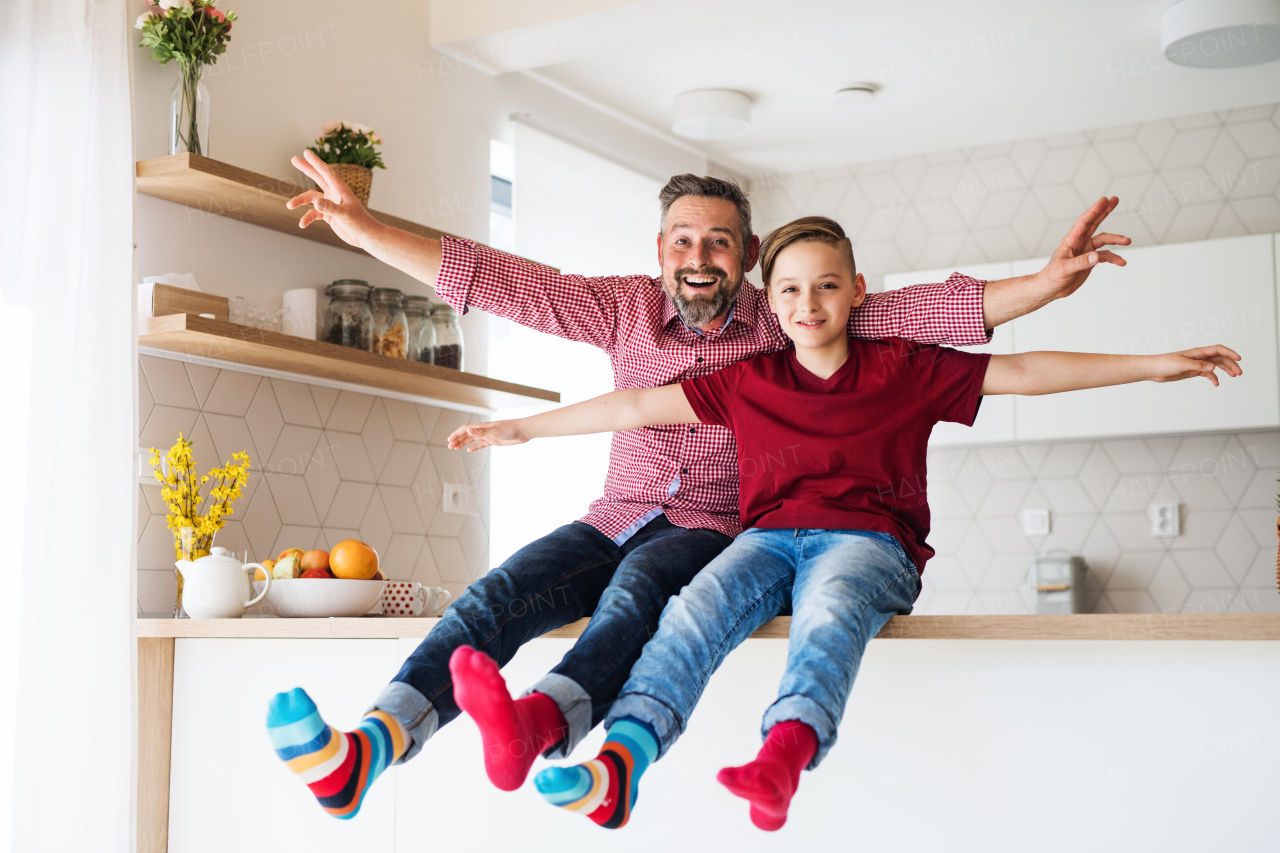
point(217, 586)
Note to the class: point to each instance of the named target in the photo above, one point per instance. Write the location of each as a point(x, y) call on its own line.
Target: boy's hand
point(1201, 361)
point(474, 437)
point(334, 203)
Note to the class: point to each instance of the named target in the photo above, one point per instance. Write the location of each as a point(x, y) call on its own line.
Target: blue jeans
point(573, 572)
point(841, 586)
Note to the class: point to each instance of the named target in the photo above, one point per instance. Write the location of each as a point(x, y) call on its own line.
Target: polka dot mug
point(402, 598)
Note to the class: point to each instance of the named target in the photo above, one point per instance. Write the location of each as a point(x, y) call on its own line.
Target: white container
point(216, 586)
point(318, 597)
point(301, 319)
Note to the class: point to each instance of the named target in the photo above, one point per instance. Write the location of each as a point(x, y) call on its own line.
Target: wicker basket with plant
point(348, 148)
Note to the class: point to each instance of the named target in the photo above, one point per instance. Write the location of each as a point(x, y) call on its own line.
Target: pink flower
point(375, 137)
point(215, 14)
point(330, 126)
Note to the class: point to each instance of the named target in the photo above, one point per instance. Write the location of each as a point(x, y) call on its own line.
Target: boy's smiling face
point(812, 291)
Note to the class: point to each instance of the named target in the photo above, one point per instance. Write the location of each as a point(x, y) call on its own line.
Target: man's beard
point(704, 306)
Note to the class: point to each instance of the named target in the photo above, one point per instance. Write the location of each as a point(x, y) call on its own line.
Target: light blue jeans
point(841, 587)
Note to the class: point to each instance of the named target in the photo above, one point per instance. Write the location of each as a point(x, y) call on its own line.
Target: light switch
point(1164, 519)
point(1035, 522)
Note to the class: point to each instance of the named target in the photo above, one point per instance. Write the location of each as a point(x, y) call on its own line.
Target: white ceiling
point(954, 74)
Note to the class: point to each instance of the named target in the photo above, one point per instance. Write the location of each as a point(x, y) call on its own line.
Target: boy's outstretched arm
point(628, 408)
point(1032, 373)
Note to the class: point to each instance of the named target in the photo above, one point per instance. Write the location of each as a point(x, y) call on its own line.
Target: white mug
point(402, 598)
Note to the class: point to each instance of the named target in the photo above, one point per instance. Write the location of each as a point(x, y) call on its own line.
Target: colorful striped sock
point(605, 788)
point(337, 766)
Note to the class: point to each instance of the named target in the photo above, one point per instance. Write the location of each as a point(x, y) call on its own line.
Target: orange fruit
point(290, 552)
point(315, 559)
point(353, 560)
point(258, 574)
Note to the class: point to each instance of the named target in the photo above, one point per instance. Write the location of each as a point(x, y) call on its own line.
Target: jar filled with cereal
point(390, 326)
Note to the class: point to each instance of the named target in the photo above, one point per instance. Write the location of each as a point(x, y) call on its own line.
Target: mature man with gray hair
point(671, 497)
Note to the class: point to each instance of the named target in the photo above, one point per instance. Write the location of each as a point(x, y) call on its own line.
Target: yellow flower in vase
point(181, 491)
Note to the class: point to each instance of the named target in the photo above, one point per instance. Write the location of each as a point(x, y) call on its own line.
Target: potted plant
point(192, 33)
point(348, 148)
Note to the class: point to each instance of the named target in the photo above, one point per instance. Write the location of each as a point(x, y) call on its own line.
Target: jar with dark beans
point(448, 337)
point(348, 318)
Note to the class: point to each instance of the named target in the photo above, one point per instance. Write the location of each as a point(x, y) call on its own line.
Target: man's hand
point(1076, 256)
point(334, 203)
point(1200, 361)
point(474, 437)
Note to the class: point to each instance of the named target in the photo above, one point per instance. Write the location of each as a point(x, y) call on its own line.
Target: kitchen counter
point(1100, 626)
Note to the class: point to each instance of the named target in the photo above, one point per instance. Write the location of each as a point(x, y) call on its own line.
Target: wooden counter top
point(1102, 626)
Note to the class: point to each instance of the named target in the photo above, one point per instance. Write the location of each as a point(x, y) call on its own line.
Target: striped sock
point(605, 788)
point(337, 766)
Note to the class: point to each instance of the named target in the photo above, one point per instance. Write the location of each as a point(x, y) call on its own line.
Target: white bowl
point(319, 597)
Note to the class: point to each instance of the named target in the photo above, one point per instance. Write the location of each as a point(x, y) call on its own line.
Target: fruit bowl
point(318, 597)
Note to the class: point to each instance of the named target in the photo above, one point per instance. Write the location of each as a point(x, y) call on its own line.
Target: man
point(671, 496)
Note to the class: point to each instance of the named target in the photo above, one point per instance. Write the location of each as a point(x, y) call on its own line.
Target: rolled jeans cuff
point(412, 711)
point(574, 703)
point(805, 710)
point(650, 711)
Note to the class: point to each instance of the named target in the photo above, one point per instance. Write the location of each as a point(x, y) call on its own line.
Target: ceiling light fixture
point(711, 114)
point(855, 93)
point(1221, 33)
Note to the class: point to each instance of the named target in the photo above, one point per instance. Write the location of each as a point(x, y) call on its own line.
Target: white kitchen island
point(1044, 733)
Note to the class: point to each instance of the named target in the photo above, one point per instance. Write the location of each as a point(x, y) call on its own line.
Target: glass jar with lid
point(422, 332)
point(390, 326)
point(448, 336)
point(348, 318)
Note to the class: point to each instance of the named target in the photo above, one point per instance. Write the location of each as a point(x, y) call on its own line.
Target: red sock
point(770, 781)
point(515, 732)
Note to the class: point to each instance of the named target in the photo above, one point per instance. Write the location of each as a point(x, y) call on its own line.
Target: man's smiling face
point(704, 259)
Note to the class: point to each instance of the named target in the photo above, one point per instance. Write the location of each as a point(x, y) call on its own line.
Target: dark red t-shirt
point(844, 453)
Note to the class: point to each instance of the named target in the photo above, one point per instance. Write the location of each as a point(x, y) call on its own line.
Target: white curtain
point(587, 215)
point(66, 232)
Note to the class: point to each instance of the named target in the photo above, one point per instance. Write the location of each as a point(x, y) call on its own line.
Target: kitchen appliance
point(1058, 581)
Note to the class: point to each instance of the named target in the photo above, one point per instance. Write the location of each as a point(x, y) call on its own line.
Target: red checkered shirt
point(687, 471)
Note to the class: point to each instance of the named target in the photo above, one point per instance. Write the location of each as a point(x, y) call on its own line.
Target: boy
point(826, 435)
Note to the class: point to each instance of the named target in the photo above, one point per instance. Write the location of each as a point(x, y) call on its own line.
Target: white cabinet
point(994, 424)
point(1168, 298)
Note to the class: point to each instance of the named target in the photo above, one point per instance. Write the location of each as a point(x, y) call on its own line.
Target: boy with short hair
point(826, 433)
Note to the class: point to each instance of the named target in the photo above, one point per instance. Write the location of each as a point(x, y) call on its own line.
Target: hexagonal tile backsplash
point(327, 465)
point(1098, 493)
point(1190, 178)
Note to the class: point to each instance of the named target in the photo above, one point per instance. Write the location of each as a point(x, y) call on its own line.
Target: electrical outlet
point(460, 499)
point(1164, 519)
point(1035, 522)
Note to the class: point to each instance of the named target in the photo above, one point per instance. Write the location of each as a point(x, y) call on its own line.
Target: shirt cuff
point(970, 292)
point(458, 261)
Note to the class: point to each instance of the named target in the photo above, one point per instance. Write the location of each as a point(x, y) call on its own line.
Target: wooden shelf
point(1101, 626)
point(224, 190)
point(217, 339)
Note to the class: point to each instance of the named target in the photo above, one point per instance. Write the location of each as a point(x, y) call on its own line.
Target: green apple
point(289, 567)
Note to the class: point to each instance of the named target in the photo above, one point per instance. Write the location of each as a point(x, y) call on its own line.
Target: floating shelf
point(217, 339)
point(224, 190)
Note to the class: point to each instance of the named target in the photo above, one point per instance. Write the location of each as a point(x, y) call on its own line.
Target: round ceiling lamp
point(855, 93)
point(1221, 33)
point(711, 114)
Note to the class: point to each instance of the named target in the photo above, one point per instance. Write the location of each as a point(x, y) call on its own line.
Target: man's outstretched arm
point(337, 205)
point(1076, 256)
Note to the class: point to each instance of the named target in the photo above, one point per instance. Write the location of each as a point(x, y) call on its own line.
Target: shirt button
point(699, 359)
point(684, 470)
point(692, 430)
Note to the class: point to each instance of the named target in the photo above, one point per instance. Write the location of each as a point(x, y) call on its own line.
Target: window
point(587, 215)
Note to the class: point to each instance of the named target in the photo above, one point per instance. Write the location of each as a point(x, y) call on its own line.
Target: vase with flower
point(198, 503)
point(192, 33)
